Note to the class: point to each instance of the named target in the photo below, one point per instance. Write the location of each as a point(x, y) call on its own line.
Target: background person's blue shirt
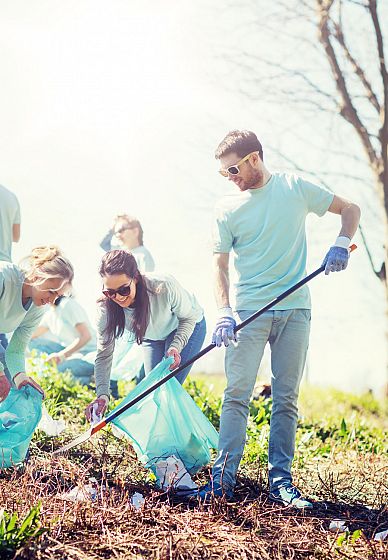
point(61, 320)
point(265, 228)
point(9, 215)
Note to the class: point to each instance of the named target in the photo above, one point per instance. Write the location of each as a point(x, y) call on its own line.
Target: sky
point(117, 107)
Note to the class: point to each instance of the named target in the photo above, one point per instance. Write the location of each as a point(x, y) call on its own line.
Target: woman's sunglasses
point(124, 228)
point(235, 169)
point(123, 291)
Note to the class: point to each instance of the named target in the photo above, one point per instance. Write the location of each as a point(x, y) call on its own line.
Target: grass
point(340, 463)
point(14, 533)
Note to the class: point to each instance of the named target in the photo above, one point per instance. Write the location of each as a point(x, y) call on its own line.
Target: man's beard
point(256, 180)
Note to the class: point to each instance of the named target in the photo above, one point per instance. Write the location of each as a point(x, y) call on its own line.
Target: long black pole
point(207, 349)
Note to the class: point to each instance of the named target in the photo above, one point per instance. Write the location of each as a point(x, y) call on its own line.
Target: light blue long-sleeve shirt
point(171, 308)
point(16, 317)
point(143, 257)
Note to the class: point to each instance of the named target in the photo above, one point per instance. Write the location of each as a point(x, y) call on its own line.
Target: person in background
point(9, 231)
point(43, 277)
point(263, 223)
point(161, 315)
point(127, 233)
point(66, 336)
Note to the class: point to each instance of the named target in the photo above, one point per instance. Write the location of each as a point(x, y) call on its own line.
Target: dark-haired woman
point(164, 317)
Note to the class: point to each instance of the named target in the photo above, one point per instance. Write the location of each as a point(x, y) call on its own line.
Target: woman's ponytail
point(47, 262)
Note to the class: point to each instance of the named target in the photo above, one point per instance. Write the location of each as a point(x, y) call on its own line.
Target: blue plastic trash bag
point(127, 358)
point(20, 413)
point(167, 422)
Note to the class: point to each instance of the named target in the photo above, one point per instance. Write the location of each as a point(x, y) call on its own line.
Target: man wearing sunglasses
point(264, 225)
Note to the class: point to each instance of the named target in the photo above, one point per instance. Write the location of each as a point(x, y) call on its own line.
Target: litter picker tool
point(97, 427)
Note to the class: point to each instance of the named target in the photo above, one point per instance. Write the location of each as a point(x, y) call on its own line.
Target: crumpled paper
point(171, 472)
point(137, 500)
point(338, 525)
point(382, 536)
point(85, 493)
point(50, 426)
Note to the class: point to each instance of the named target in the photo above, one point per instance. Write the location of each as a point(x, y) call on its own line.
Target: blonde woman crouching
point(24, 291)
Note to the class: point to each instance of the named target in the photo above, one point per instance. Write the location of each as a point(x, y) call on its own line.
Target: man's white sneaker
point(290, 496)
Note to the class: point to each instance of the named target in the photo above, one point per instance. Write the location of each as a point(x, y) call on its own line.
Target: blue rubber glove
point(336, 259)
point(224, 331)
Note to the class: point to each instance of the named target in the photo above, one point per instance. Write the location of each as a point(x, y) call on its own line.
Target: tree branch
point(347, 110)
point(357, 68)
point(361, 4)
point(383, 169)
point(302, 76)
point(381, 274)
point(380, 45)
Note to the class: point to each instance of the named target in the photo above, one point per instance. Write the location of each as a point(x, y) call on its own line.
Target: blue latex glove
point(336, 259)
point(224, 331)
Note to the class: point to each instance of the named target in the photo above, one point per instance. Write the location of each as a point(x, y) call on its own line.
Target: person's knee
point(285, 403)
point(236, 397)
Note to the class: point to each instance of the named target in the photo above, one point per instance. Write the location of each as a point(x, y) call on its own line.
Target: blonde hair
point(45, 263)
point(132, 222)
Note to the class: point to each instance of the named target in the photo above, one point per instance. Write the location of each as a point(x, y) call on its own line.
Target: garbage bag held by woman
point(20, 414)
point(167, 422)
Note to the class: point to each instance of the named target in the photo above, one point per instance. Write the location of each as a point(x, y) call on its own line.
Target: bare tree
point(357, 96)
point(296, 74)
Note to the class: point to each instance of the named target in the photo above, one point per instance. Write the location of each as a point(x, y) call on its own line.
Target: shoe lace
point(293, 492)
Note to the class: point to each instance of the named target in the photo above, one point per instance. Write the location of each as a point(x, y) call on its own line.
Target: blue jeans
point(155, 350)
point(82, 371)
point(140, 376)
point(2, 360)
point(287, 332)
point(3, 340)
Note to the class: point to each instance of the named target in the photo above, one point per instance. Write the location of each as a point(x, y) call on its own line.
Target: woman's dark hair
point(58, 300)
point(123, 262)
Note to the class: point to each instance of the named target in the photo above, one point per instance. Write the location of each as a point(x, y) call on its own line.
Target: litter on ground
point(50, 426)
point(137, 500)
point(171, 472)
point(338, 525)
point(81, 493)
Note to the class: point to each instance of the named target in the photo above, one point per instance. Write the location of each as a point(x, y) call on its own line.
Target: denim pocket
point(306, 314)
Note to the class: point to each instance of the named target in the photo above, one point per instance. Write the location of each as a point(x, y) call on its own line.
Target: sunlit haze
point(112, 107)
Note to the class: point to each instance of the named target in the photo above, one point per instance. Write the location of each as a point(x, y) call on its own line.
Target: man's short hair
point(240, 142)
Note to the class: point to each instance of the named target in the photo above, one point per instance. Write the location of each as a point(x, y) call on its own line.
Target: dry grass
point(248, 528)
point(342, 468)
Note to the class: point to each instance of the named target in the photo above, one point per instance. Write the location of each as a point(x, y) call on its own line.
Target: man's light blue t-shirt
point(9, 215)
point(265, 228)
